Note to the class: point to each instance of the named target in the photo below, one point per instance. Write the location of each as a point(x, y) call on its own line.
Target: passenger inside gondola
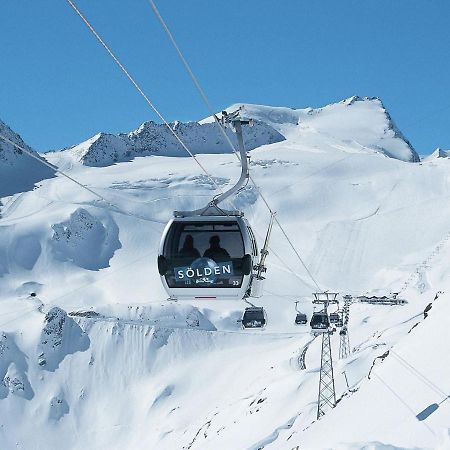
point(215, 251)
point(188, 250)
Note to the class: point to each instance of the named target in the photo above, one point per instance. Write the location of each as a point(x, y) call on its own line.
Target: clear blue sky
point(59, 87)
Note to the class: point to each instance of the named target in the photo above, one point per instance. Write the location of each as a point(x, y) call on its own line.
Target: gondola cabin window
point(204, 254)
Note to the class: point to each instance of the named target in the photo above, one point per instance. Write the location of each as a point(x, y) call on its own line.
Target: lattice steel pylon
point(327, 393)
point(344, 343)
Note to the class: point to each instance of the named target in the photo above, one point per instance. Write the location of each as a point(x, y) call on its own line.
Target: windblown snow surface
point(92, 356)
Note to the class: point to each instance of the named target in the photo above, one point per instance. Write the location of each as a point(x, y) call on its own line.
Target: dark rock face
point(156, 139)
point(61, 336)
point(85, 240)
point(13, 370)
point(58, 408)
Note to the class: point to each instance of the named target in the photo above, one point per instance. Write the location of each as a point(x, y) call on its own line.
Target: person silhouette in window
point(215, 251)
point(188, 250)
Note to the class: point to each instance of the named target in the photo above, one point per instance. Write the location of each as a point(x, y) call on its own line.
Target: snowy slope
point(18, 172)
point(93, 356)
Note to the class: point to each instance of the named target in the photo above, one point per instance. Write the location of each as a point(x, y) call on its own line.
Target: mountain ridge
point(18, 171)
point(271, 125)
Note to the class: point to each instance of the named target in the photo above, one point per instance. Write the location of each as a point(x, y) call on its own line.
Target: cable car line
point(403, 402)
point(114, 207)
point(206, 101)
point(56, 169)
point(192, 76)
point(53, 302)
point(139, 89)
point(418, 374)
point(20, 316)
point(188, 68)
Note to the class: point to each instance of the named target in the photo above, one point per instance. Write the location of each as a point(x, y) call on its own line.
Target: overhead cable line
point(283, 262)
point(420, 376)
point(56, 169)
point(73, 180)
point(211, 110)
point(22, 314)
point(403, 402)
point(139, 89)
point(28, 311)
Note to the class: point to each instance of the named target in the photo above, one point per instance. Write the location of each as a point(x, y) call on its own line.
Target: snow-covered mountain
point(93, 356)
point(18, 172)
point(155, 139)
point(438, 153)
point(362, 123)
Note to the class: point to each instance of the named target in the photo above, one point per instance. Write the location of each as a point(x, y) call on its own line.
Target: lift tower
point(344, 343)
point(327, 393)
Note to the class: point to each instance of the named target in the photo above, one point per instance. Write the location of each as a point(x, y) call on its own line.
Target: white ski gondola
point(211, 253)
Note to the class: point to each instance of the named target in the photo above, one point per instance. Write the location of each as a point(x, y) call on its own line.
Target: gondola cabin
point(254, 317)
point(319, 322)
point(207, 257)
point(301, 319)
point(335, 318)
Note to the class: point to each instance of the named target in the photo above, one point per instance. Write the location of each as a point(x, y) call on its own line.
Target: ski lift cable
point(283, 262)
point(403, 402)
point(73, 180)
point(28, 311)
point(189, 70)
point(212, 112)
point(20, 316)
point(418, 375)
point(56, 169)
point(205, 99)
point(209, 107)
point(141, 92)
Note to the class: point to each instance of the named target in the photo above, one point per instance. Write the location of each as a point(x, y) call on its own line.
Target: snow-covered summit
point(361, 122)
point(18, 171)
point(438, 153)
